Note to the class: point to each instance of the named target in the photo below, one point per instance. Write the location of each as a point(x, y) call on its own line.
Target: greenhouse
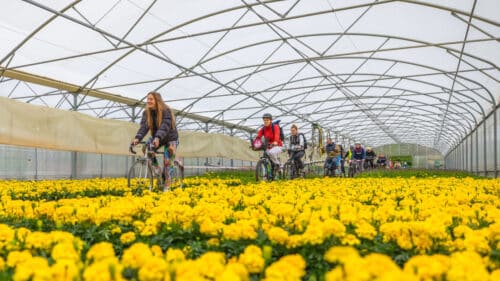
point(91, 90)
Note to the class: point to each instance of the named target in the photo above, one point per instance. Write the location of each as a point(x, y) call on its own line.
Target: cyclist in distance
point(381, 160)
point(159, 120)
point(271, 132)
point(296, 151)
point(370, 157)
point(358, 153)
point(332, 154)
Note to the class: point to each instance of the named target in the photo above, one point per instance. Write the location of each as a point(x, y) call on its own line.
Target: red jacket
point(268, 134)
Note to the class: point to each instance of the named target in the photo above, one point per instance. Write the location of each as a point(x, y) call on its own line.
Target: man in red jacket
point(272, 135)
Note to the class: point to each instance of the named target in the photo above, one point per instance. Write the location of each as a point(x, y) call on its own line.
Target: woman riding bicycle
point(159, 120)
point(271, 132)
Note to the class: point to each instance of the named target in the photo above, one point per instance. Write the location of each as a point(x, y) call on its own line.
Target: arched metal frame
point(396, 114)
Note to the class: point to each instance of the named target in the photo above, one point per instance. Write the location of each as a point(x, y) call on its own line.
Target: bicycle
point(144, 173)
point(369, 163)
point(291, 169)
point(266, 170)
point(332, 168)
point(354, 167)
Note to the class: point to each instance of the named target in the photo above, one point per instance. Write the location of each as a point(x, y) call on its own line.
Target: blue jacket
point(358, 154)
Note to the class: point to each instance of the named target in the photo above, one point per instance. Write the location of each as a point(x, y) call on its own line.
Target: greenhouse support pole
point(102, 168)
point(495, 141)
point(126, 165)
point(471, 149)
point(477, 152)
point(73, 164)
point(484, 149)
point(36, 163)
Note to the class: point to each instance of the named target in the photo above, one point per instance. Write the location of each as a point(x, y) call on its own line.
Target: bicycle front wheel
point(140, 175)
point(261, 171)
point(288, 171)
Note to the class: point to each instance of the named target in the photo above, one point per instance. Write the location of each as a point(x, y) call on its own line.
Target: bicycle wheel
point(352, 169)
point(326, 172)
point(261, 170)
point(287, 171)
point(176, 175)
point(140, 175)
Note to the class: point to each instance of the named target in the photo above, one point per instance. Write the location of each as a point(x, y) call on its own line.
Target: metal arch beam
point(364, 132)
point(383, 59)
point(414, 116)
point(422, 44)
point(360, 129)
point(67, 87)
point(257, 112)
point(359, 123)
point(321, 69)
point(425, 44)
point(437, 139)
point(368, 132)
point(388, 106)
point(421, 104)
point(136, 46)
point(34, 32)
point(390, 122)
point(306, 58)
point(290, 62)
point(384, 77)
point(299, 16)
point(416, 93)
point(361, 34)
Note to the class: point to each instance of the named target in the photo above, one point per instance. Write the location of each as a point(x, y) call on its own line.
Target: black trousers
point(297, 157)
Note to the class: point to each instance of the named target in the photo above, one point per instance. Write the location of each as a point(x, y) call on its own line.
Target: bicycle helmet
point(267, 115)
point(357, 143)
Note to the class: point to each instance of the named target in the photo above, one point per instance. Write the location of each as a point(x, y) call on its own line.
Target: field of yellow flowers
point(222, 229)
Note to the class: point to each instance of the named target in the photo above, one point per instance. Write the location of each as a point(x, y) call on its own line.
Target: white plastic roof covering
point(382, 72)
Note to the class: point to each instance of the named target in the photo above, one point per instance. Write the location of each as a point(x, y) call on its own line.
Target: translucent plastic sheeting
point(35, 126)
point(384, 72)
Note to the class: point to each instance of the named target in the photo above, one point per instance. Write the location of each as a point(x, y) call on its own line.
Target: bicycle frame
point(146, 162)
point(354, 167)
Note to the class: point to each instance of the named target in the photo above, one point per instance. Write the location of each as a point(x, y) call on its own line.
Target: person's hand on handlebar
point(156, 142)
point(135, 141)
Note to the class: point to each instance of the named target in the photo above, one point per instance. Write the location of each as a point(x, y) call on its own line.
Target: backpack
point(303, 138)
point(282, 134)
point(305, 141)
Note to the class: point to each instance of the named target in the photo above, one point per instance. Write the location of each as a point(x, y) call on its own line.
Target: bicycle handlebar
point(131, 147)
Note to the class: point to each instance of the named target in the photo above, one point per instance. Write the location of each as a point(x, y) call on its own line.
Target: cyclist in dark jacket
point(358, 153)
point(370, 157)
point(333, 153)
point(159, 120)
point(296, 151)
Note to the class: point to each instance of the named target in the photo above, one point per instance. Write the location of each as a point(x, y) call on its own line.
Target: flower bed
point(221, 229)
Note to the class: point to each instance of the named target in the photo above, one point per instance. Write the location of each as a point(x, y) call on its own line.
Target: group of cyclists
point(336, 154)
point(159, 121)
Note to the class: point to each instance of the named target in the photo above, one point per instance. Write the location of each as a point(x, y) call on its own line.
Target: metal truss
point(379, 107)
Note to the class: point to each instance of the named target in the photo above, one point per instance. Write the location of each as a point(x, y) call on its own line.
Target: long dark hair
point(160, 107)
